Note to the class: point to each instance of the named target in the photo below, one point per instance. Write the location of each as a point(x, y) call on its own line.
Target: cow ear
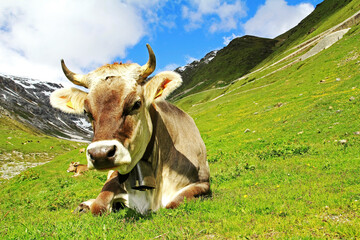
point(69, 100)
point(161, 85)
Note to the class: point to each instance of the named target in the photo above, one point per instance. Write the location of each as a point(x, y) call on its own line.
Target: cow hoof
point(98, 210)
point(82, 208)
point(172, 205)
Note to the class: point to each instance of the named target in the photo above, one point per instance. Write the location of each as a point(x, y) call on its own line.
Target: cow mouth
point(106, 168)
point(111, 166)
point(122, 169)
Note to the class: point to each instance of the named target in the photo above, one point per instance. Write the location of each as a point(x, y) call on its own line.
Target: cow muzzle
point(108, 154)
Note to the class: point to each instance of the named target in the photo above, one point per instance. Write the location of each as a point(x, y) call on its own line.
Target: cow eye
point(136, 105)
point(132, 109)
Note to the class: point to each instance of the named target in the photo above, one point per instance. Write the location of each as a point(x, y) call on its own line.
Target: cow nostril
point(102, 156)
point(89, 152)
point(111, 152)
point(91, 156)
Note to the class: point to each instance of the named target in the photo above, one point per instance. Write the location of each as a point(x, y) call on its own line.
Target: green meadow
point(284, 154)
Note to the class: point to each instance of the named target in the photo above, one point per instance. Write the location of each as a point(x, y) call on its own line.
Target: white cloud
point(35, 35)
point(190, 59)
point(221, 15)
point(275, 18)
point(228, 39)
point(169, 67)
point(151, 9)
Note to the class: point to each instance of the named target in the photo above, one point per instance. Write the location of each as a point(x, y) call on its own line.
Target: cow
point(132, 124)
point(77, 168)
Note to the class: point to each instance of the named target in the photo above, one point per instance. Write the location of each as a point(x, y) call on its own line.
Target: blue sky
point(35, 35)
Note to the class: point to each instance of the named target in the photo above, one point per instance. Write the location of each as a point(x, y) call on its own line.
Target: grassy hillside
point(286, 147)
point(326, 15)
point(21, 147)
point(248, 53)
point(284, 158)
point(233, 61)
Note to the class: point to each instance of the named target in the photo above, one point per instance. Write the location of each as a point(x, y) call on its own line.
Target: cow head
point(73, 166)
point(117, 105)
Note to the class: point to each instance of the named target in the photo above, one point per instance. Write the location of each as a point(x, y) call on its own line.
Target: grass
point(21, 147)
point(279, 169)
point(17, 137)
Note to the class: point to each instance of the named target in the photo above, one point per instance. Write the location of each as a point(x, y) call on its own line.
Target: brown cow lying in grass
point(133, 123)
point(77, 168)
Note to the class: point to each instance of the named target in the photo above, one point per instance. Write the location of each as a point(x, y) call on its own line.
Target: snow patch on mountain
point(207, 59)
point(27, 100)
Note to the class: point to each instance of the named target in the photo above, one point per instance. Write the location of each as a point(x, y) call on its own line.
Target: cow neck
point(142, 176)
point(150, 146)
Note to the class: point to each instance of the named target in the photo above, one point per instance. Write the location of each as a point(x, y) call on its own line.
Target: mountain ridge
point(27, 101)
point(309, 31)
point(212, 71)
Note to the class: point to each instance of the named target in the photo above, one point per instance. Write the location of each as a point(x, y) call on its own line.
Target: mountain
point(249, 53)
point(219, 68)
point(27, 101)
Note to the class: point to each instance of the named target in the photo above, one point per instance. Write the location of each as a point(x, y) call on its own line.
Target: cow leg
point(112, 190)
point(84, 207)
point(189, 192)
point(76, 174)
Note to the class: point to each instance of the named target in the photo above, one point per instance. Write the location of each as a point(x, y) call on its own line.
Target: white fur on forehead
point(129, 73)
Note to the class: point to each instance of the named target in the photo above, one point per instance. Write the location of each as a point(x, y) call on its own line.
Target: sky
point(36, 34)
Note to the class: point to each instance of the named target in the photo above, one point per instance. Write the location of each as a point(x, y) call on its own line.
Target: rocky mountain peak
point(27, 101)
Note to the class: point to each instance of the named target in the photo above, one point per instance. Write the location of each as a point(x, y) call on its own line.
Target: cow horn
point(149, 67)
point(77, 79)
